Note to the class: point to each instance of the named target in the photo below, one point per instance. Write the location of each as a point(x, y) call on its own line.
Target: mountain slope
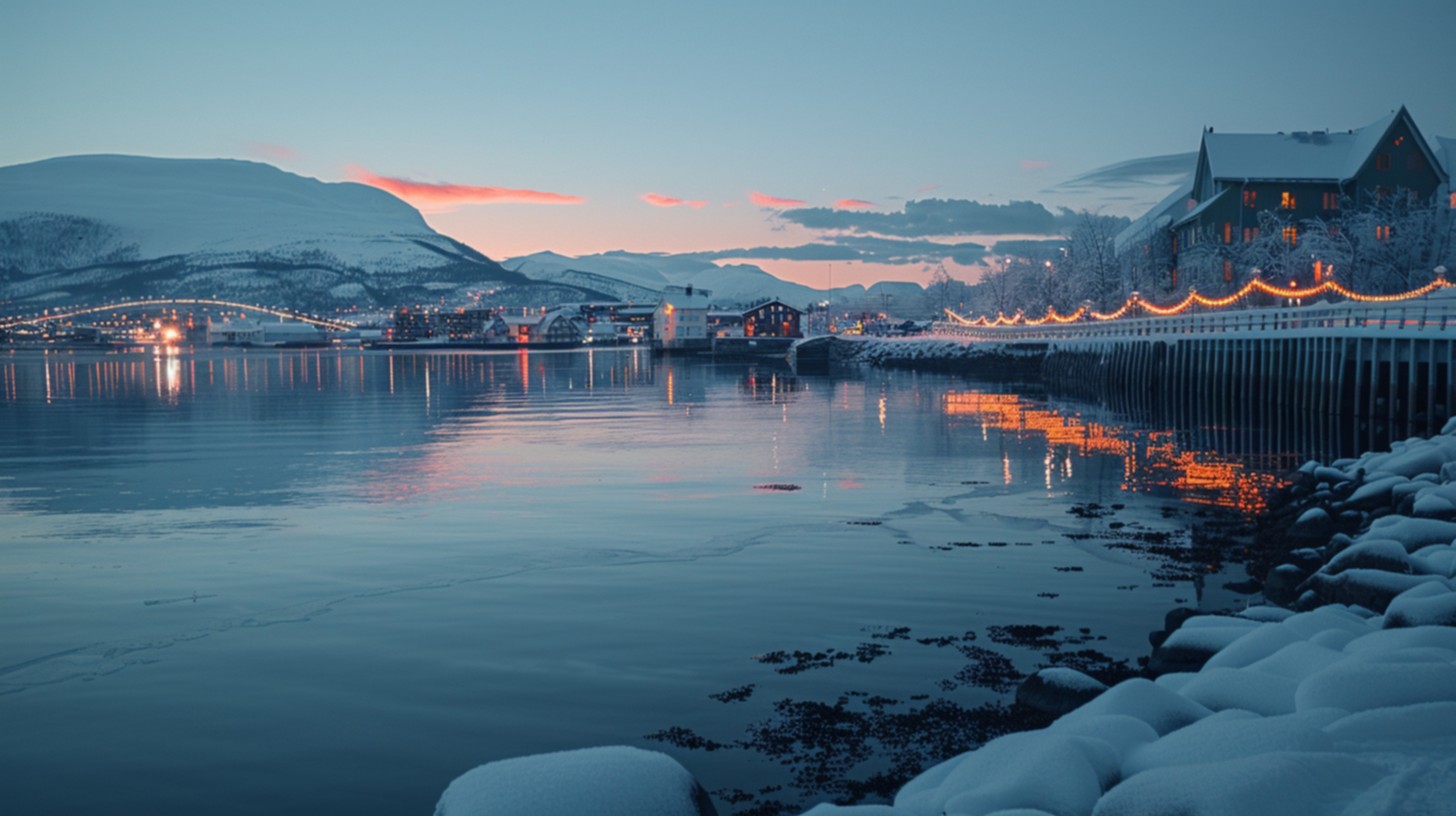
point(96, 228)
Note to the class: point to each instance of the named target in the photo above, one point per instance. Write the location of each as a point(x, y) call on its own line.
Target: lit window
point(1453, 201)
point(1382, 232)
point(1291, 234)
point(1175, 277)
point(1228, 270)
point(1399, 140)
point(1330, 201)
point(1228, 232)
point(1286, 200)
point(1250, 233)
point(1251, 198)
point(1382, 162)
point(1319, 271)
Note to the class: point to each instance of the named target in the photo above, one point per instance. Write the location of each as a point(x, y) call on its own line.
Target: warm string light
point(1136, 301)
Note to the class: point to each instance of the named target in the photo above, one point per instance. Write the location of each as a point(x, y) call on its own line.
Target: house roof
point(1173, 207)
point(1212, 200)
point(1317, 155)
point(681, 299)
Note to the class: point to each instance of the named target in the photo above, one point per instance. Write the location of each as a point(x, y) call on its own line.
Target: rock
point(1313, 525)
point(609, 781)
point(1282, 584)
point(1057, 691)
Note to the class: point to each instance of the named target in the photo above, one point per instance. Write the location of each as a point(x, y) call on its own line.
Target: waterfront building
point(461, 325)
point(680, 320)
point(772, 318)
point(1298, 177)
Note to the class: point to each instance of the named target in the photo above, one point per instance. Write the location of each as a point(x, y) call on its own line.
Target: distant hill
point(638, 276)
point(93, 229)
point(98, 228)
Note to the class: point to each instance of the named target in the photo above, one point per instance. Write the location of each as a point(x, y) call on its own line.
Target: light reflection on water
point(304, 581)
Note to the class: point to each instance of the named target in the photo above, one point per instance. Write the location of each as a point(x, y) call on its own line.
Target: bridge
point(332, 324)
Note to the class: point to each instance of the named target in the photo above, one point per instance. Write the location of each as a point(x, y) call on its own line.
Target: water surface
point(244, 582)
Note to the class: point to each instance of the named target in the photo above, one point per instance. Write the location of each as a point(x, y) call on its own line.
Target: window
point(1319, 271)
point(1291, 234)
point(1382, 162)
point(1453, 201)
point(1250, 233)
point(1228, 232)
point(1251, 198)
point(1175, 238)
point(1399, 140)
point(1286, 200)
point(1330, 201)
point(1228, 270)
point(1382, 232)
point(1175, 278)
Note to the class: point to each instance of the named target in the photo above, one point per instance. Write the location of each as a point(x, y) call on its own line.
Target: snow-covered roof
point(1174, 206)
point(1212, 200)
point(1317, 155)
point(685, 298)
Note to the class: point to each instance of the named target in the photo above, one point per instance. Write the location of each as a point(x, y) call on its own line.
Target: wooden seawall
point(1363, 374)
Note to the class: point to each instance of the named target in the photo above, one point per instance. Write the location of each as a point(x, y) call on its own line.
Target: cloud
point(272, 151)
point(865, 248)
point(1033, 164)
point(1150, 171)
point(939, 217)
point(773, 202)
point(440, 197)
point(658, 200)
point(854, 204)
point(927, 188)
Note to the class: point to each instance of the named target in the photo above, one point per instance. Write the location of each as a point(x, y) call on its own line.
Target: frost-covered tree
point(1090, 268)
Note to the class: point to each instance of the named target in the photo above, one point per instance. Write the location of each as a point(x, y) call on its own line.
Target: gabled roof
point(1227, 192)
point(1318, 155)
point(1173, 207)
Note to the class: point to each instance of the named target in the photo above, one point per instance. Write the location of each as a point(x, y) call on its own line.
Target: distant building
point(773, 318)
point(472, 324)
point(264, 333)
point(1299, 176)
point(725, 324)
point(680, 320)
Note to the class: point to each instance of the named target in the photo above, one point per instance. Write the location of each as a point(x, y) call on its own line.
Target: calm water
point(331, 582)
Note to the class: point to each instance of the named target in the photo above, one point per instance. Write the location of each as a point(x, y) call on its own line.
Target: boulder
point(608, 781)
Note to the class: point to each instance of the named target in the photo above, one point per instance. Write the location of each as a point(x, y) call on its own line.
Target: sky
point(846, 140)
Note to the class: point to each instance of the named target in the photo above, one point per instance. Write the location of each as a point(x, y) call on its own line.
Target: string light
point(1136, 301)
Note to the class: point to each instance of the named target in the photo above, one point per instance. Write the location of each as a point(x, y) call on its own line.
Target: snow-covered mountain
point(95, 228)
point(634, 276)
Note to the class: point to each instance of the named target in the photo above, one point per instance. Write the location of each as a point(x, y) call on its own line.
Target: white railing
point(1425, 315)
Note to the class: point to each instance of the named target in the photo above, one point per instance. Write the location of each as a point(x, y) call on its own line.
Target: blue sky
point(601, 104)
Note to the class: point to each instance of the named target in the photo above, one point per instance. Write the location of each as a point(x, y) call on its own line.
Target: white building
point(681, 318)
point(264, 333)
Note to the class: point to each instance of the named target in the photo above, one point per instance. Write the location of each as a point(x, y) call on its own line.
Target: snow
point(610, 781)
point(730, 283)
point(219, 206)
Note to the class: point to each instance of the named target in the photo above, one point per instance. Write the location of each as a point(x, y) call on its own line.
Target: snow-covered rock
point(609, 781)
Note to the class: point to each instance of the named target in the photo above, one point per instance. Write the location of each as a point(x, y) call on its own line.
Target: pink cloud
point(658, 200)
point(773, 202)
point(927, 188)
point(272, 151)
point(445, 196)
point(854, 204)
point(1032, 164)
